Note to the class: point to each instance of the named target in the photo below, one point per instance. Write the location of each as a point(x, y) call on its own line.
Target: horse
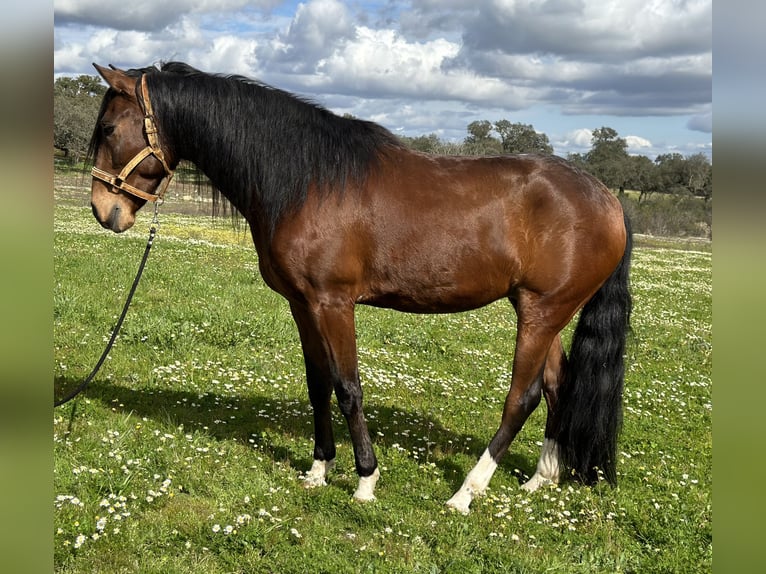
point(341, 214)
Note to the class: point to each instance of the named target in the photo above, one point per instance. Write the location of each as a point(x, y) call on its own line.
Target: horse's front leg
point(329, 348)
point(320, 394)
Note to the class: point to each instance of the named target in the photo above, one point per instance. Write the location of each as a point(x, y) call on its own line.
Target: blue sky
point(642, 67)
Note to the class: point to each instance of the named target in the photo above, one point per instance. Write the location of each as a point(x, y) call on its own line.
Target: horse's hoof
point(460, 502)
point(316, 477)
point(365, 490)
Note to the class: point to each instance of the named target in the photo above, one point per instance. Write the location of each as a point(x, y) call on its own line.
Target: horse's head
point(129, 162)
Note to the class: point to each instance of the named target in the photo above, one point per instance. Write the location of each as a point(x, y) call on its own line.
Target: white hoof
point(548, 467)
point(317, 475)
point(474, 484)
point(365, 492)
point(461, 501)
point(536, 482)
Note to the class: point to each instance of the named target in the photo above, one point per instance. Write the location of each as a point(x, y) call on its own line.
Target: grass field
point(186, 453)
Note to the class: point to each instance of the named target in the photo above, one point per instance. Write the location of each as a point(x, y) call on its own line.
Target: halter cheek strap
point(117, 182)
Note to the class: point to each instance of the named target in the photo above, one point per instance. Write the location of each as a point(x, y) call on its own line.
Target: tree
point(608, 159)
point(480, 141)
point(642, 175)
point(479, 131)
point(670, 170)
point(699, 176)
point(76, 103)
point(579, 160)
point(432, 144)
point(522, 138)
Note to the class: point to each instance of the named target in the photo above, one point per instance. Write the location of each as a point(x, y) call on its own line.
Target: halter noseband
point(117, 182)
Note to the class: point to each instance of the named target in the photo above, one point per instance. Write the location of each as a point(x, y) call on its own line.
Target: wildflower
point(294, 532)
point(79, 541)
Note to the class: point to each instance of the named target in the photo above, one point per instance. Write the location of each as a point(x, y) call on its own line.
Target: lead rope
point(82, 386)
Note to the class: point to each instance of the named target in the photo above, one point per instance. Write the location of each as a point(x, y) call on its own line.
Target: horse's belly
point(446, 290)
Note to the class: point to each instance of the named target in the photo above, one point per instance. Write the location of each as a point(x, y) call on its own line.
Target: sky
point(567, 67)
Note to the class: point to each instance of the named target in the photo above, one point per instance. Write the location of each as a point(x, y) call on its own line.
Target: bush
point(670, 215)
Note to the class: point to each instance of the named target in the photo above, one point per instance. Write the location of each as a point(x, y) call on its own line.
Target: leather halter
point(117, 182)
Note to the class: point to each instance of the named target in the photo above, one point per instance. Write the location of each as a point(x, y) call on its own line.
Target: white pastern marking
point(366, 488)
point(548, 467)
point(474, 484)
point(316, 476)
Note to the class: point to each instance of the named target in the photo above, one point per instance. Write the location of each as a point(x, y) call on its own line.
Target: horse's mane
point(261, 146)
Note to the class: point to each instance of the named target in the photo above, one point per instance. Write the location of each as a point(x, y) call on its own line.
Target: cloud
point(318, 28)
point(141, 15)
point(637, 143)
point(443, 18)
point(701, 123)
point(598, 57)
point(579, 140)
point(427, 65)
point(621, 58)
point(234, 54)
point(384, 60)
point(596, 30)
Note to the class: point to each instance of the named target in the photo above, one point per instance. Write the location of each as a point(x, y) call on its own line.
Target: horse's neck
point(207, 150)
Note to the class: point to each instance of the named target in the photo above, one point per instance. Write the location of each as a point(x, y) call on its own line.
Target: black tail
point(590, 401)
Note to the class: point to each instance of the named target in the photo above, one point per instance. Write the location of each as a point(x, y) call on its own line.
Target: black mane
point(260, 146)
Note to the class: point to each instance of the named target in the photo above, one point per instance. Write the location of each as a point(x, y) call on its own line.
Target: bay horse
point(342, 213)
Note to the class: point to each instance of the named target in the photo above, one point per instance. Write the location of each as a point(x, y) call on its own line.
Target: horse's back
point(443, 234)
point(521, 206)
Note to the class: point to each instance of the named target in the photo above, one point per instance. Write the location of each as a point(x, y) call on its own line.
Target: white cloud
point(384, 63)
point(385, 59)
point(581, 138)
point(69, 58)
point(637, 143)
point(233, 54)
point(317, 29)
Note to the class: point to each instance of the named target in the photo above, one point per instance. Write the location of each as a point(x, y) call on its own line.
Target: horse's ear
point(117, 80)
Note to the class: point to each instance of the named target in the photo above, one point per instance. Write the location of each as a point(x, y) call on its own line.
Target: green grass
point(185, 454)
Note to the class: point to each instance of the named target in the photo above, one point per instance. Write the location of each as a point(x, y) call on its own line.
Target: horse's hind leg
point(549, 466)
point(536, 333)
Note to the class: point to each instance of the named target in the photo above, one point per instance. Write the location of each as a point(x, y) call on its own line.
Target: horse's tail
point(590, 401)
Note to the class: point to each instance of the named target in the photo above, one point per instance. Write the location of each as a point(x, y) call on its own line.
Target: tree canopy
point(75, 108)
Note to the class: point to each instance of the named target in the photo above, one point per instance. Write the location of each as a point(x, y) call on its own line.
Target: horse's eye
point(107, 129)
